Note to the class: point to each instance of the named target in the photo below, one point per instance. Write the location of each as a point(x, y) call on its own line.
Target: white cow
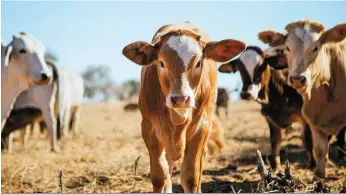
point(71, 93)
point(43, 98)
point(22, 66)
point(58, 101)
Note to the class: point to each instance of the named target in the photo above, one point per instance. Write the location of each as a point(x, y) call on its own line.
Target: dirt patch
point(109, 155)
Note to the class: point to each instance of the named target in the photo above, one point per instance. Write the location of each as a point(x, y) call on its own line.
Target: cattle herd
point(35, 89)
point(298, 79)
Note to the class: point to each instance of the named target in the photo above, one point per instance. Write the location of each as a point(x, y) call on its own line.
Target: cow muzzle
point(298, 81)
point(180, 101)
point(245, 95)
point(43, 79)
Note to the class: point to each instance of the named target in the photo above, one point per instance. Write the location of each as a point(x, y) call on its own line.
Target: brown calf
point(317, 63)
point(177, 99)
point(281, 104)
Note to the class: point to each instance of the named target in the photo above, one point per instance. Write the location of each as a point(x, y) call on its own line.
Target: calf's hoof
point(55, 150)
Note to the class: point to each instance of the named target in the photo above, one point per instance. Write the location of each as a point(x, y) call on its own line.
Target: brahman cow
point(281, 104)
point(317, 64)
point(177, 99)
point(22, 66)
point(43, 98)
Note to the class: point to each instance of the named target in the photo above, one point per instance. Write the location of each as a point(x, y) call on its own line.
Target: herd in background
point(298, 79)
point(36, 90)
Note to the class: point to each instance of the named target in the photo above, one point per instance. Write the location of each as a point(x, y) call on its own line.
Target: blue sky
point(84, 33)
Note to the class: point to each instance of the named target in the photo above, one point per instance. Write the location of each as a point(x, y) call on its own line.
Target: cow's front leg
point(320, 150)
point(192, 166)
point(275, 141)
point(159, 169)
point(308, 145)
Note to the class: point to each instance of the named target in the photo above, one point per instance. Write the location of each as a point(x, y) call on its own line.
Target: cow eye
point(288, 49)
point(315, 49)
point(198, 64)
point(22, 51)
point(162, 65)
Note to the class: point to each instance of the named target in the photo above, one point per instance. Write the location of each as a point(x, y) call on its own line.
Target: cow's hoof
point(318, 175)
point(55, 150)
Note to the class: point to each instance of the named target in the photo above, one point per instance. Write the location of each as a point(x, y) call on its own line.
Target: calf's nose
point(298, 81)
point(180, 100)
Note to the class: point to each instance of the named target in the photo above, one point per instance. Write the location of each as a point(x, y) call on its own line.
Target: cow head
point(25, 57)
point(333, 35)
point(300, 36)
point(276, 53)
point(254, 70)
point(181, 55)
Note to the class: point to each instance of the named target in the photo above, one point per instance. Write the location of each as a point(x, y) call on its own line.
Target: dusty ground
point(102, 157)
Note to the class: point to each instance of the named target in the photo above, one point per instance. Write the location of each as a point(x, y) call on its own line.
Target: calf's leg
point(307, 142)
point(159, 169)
point(275, 141)
point(192, 166)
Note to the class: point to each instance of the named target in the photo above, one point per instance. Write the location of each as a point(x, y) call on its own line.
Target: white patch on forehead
point(30, 43)
point(306, 36)
point(185, 46)
point(250, 59)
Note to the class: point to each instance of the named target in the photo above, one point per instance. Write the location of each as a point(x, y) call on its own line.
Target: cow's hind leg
point(192, 166)
point(50, 120)
point(159, 169)
point(25, 133)
point(307, 142)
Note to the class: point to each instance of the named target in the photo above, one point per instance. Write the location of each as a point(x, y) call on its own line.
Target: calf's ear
point(272, 37)
point(224, 50)
point(8, 53)
point(336, 34)
point(141, 53)
point(230, 67)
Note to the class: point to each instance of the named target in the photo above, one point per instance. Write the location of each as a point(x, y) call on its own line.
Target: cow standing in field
point(177, 99)
point(22, 67)
point(222, 100)
point(43, 98)
point(317, 64)
point(71, 93)
point(281, 104)
point(57, 106)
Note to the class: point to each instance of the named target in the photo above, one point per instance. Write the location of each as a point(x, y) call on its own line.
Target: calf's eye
point(315, 49)
point(162, 65)
point(22, 51)
point(198, 65)
point(288, 49)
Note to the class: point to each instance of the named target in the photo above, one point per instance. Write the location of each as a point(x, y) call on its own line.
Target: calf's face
point(249, 64)
point(181, 60)
point(333, 35)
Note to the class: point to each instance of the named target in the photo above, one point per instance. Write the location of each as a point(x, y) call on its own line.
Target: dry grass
point(110, 156)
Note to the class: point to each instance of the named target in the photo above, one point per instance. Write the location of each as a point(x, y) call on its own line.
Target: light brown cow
point(317, 63)
point(177, 99)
